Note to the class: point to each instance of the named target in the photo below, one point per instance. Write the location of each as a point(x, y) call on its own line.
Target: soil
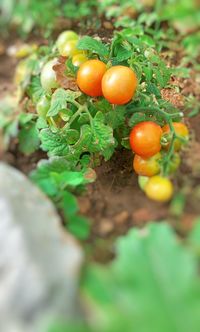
point(114, 202)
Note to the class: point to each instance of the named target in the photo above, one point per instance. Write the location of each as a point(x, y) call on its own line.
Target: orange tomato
point(181, 130)
point(119, 85)
point(147, 166)
point(145, 139)
point(89, 77)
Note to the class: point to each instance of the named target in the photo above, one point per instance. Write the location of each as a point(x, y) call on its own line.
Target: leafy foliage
point(60, 182)
point(150, 286)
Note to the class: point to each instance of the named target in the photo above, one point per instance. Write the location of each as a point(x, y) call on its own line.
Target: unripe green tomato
point(43, 106)
point(48, 76)
point(79, 59)
point(174, 163)
point(69, 49)
point(64, 37)
point(142, 181)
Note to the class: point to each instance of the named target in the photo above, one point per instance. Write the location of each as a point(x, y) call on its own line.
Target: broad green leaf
point(93, 45)
point(29, 140)
point(68, 178)
point(69, 205)
point(79, 226)
point(151, 286)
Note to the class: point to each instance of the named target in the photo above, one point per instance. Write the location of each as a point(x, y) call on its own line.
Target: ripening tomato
point(145, 139)
point(119, 85)
point(64, 37)
point(147, 166)
point(70, 49)
point(43, 106)
point(48, 76)
point(181, 130)
point(89, 77)
point(159, 189)
point(79, 59)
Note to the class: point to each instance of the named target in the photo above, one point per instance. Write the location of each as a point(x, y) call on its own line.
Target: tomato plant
point(147, 166)
point(89, 77)
point(119, 84)
point(159, 189)
point(145, 139)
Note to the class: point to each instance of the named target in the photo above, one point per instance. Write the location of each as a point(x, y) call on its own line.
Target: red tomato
point(147, 166)
point(145, 139)
point(119, 85)
point(181, 130)
point(89, 77)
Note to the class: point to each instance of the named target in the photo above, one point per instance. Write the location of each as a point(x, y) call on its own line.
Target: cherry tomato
point(69, 49)
point(89, 77)
point(145, 139)
point(181, 130)
point(147, 166)
point(79, 59)
point(142, 181)
point(119, 85)
point(159, 189)
point(64, 37)
point(43, 106)
point(48, 76)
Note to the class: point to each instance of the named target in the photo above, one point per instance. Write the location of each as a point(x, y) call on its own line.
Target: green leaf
point(69, 205)
point(102, 134)
point(58, 102)
point(42, 174)
point(93, 45)
point(34, 89)
point(54, 143)
point(68, 178)
point(116, 118)
point(29, 140)
point(150, 286)
point(79, 226)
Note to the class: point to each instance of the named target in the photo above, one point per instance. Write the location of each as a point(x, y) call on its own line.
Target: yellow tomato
point(159, 189)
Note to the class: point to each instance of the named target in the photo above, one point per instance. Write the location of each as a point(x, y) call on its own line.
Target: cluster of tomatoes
point(118, 85)
point(146, 143)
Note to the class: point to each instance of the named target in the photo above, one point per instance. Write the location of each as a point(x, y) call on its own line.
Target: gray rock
point(39, 263)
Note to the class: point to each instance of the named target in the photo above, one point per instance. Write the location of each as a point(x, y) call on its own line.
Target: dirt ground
point(114, 202)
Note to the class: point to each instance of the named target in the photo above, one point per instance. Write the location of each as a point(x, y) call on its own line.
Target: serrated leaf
point(29, 140)
point(115, 118)
point(71, 135)
point(35, 90)
point(93, 45)
point(58, 102)
point(102, 134)
point(149, 287)
point(54, 143)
